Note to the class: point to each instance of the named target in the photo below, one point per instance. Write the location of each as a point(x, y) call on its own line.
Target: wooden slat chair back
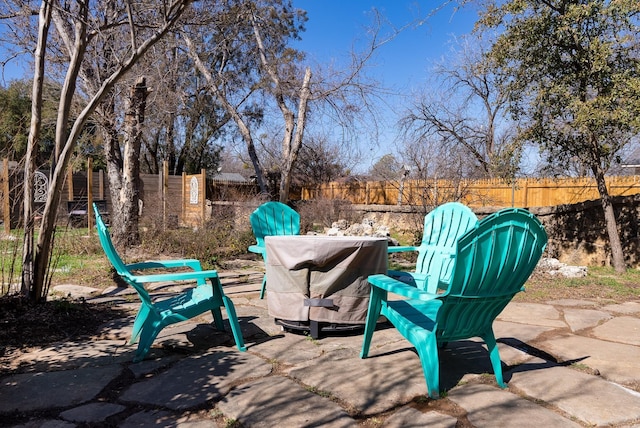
point(492, 263)
point(152, 315)
point(442, 228)
point(272, 219)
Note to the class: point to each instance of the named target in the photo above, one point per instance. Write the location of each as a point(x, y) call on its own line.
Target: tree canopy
point(573, 70)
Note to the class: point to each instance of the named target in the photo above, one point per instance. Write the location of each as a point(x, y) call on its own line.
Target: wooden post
point(70, 184)
point(164, 191)
point(89, 194)
point(203, 194)
point(6, 197)
point(184, 196)
point(101, 184)
point(366, 193)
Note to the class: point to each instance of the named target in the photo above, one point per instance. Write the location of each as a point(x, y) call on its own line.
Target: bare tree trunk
point(36, 260)
point(233, 112)
point(30, 286)
point(113, 156)
point(293, 149)
point(126, 232)
point(617, 255)
point(293, 129)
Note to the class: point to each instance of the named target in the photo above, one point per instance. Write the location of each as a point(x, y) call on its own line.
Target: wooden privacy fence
point(529, 192)
point(167, 200)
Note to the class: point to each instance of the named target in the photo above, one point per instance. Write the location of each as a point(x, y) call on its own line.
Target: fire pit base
point(315, 328)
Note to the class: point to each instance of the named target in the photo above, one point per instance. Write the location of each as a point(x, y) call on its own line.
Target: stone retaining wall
point(577, 232)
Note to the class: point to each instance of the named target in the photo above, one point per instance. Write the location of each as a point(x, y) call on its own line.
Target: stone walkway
point(566, 363)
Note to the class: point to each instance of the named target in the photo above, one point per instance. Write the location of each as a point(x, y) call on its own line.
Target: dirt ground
point(24, 324)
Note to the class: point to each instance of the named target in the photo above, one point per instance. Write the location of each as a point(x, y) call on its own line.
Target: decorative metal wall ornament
point(40, 187)
point(193, 193)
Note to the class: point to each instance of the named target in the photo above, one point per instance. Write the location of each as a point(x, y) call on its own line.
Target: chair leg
point(141, 319)
point(233, 322)
point(428, 353)
point(264, 286)
point(231, 313)
point(494, 354)
point(373, 313)
point(217, 318)
point(150, 332)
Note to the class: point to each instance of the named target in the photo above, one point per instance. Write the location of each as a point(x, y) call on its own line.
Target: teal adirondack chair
point(442, 228)
point(272, 219)
point(153, 316)
point(492, 263)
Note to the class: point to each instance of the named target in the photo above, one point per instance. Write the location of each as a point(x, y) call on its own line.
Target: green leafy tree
point(573, 70)
point(15, 118)
point(184, 124)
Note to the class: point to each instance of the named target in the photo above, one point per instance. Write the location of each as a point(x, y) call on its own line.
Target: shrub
point(217, 240)
point(321, 213)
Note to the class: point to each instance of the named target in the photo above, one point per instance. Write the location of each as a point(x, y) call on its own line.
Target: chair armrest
point(166, 264)
point(401, 248)
point(258, 249)
point(175, 276)
point(391, 285)
point(411, 278)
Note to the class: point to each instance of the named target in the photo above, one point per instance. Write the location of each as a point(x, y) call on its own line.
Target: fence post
point(184, 196)
point(89, 194)
point(6, 198)
point(101, 184)
point(164, 190)
point(70, 184)
point(203, 192)
point(366, 194)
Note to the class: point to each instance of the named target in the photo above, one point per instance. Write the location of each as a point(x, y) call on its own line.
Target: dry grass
point(601, 284)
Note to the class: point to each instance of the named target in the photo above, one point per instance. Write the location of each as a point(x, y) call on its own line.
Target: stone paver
point(513, 340)
point(588, 398)
point(579, 319)
point(622, 330)
point(277, 401)
point(532, 313)
point(489, 406)
point(288, 349)
point(92, 412)
point(76, 291)
point(76, 354)
point(626, 308)
point(389, 377)
point(197, 379)
point(36, 391)
point(163, 418)
point(572, 302)
point(614, 361)
point(42, 423)
point(408, 417)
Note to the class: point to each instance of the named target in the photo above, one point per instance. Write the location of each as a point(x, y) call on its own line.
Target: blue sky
point(404, 63)
point(334, 25)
